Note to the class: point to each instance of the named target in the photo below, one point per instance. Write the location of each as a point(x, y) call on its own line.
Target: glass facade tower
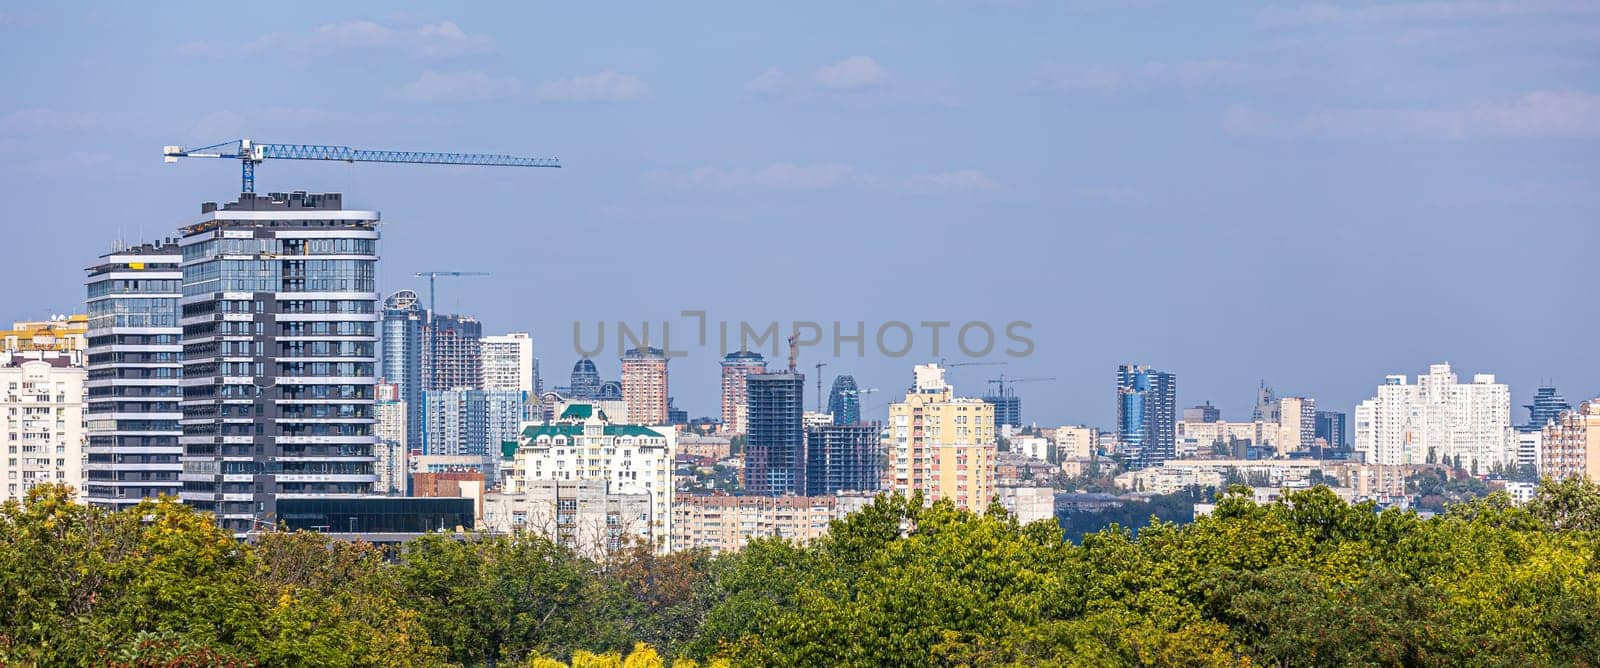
point(1146, 414)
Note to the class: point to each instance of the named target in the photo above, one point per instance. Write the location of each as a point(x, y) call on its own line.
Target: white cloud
point(1183, 74)
point(460, 86)
point(49, 120)
point(436, 40)
point(781, 176)
point(607, 86)
point(852, 73)
point(1540, 114)
point(960, 180)
point(1325, 14)
point(770, 81)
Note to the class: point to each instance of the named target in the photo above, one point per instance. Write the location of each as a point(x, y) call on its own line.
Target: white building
point(1029, 504)
point(1438, 419)
point(42, 398)
point(579, 514)
point(392, 449)
point(508, 364)
point(581, 444)
point(1036, 447)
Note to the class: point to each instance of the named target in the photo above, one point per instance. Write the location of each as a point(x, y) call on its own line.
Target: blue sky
point(1314, 194)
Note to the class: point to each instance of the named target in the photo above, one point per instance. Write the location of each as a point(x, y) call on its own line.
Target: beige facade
point(1075, 441)
point(725, 523)
point(736, 367)
point(1572, 444)
point(580, 514)
point(644, 385)
point(941, 445)
point(42, 399)
point(1297, 424)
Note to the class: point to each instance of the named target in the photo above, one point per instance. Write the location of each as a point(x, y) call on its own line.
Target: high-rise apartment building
point(455, 356)
point(736, 367)
point(1297, 424)
point(134, 367)
point(393, 450)
point(585, 383)
point(404, 351)
point(1571, 444)
point(843, 457)
point(42, 399)
point(644, 385)
point(581, 444)
point(507, 361)
point(940, 444)
point(844, 400)
point(279, 317)
point(1438, 419)
point(1547, 406)
point(1147, 402)
point(470, 421)
point(774, 450)
point(1331, 429)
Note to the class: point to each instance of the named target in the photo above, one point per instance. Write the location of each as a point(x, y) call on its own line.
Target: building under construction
point(774, 454)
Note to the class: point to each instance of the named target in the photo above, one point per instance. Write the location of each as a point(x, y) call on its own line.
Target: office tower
point(736, 366)
point(585, 383)
point(1330, 428)
point(1297, 424)
point(941, 445)
point(279, 319)
point(644, 385)
point(581, 444)
point(1267, 407)
point(844, 400)
point(43, 404)
point(1204, 413)
point(508, 366)
point(1548, 404)
point(843, 457)
point(455, 356)
point(393, 450)
point(1147, 400)
point(1572, 444)
point(1437, 420)
point(470, 421)
point(774, 450)
point(134, 365)
point(404, 350)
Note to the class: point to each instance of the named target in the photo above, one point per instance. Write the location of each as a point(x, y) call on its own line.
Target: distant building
point(1571, 444)
point(644, 385)
point(844, 400)
point(1438, 419)
point(1297, 424)
point(1029, 504)
point(1202, 413)
point(1267, 407)
point(403, 351)
point(393, 449)
point(508, 366)
point(941, 445)
point(455, 359)
point(1007, 409)
point(726, 523)
point(675, 415)
point(42, 400)
point(843, 457)
point(579, 514)
point(1331, 429)
point(135, 366)
point(585, 382)
point(1075, 441)
point(583, 445)
point(1530, 449)
point(1547, 406)
point(470, 421)
point(774, 451)
point(736, 366)
point(1147, 400)
point(62, 333)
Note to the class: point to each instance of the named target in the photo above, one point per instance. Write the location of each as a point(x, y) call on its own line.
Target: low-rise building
point(1075, 441)
point(1029, 504)
point(580, 514)
point(726, 523)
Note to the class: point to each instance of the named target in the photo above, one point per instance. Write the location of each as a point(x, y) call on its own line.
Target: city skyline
point(1271, 155)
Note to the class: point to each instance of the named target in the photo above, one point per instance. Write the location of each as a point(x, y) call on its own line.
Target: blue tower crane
point(250, 153)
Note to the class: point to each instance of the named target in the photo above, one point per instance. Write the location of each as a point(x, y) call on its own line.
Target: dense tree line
point(1309, 580)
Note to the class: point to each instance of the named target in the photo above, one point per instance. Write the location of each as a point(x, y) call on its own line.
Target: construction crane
point(819, 385)
point(250, 153)
point(956, 364)
point(431, 275)
point(1002, 381)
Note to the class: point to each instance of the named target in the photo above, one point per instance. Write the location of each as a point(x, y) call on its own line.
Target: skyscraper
point(1007, 408)
point(508, 366)
point(941, 445)
point(1439, 419)
point(585, 383)
point(843, 457)
point(1547, 406)
point(844, 400)
point(470, 421)
point(279, 316)
point(455, 359)
point(736, 366)
point(644, 385)
point(1146, 415)
point(393, 450)
point(403, 346)
point(1330, 428)
point(774, 451)
point(134, 368)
